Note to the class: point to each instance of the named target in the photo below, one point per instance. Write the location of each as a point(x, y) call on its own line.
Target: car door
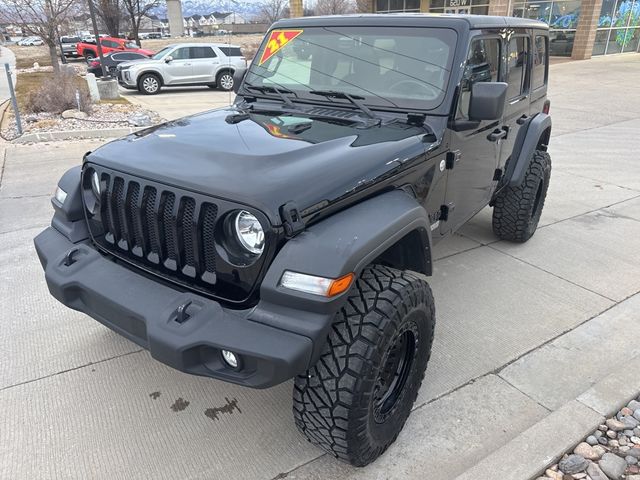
point(518, 73)
point(205, 63)
point(179, 69)
point(474, 150)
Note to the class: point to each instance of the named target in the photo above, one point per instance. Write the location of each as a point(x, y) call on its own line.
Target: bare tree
point(40, 18)
point(272, 10)
point(334, 7)
point(136, 10)
point(111, 13)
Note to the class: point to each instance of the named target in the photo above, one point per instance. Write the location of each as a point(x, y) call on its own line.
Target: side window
point(202, 52)
point(483, 65)
point(109, 44)
point(181, 53)
point(517, 66)
point(540, 62)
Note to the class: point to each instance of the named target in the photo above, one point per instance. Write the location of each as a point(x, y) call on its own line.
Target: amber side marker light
point(326, 287)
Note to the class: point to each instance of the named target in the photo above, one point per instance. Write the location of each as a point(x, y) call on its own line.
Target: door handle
point(496, 135)
point(521, 120)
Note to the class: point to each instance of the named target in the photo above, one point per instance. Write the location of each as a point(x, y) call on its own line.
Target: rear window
point(540, 64)
point(70, 39)
point(231, 51)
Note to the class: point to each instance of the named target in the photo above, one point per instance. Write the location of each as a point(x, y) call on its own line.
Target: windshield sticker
point(277, 40)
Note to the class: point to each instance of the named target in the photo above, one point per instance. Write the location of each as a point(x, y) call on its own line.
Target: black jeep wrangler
point(290, 235)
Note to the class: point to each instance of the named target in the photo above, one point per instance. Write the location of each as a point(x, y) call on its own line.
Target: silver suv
point(183, 64)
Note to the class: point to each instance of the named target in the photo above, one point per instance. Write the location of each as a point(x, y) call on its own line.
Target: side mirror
point(168, 59)
point(238, 77)
point(487, 100)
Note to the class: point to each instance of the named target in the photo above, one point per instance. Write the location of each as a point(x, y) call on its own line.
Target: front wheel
point(517, 210)
point(149, 84)
point(89, 56)
point(355, 400)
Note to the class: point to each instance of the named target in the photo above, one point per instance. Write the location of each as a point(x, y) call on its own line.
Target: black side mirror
point(238, 77)
point(487, 100)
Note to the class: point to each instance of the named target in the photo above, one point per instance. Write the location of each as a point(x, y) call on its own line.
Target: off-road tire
point(517, 210)
point(334, 402)
point(147, 79)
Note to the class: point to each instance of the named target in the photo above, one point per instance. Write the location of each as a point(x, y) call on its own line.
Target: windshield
point(131, 45)
point(161, 53)
point(386, 66)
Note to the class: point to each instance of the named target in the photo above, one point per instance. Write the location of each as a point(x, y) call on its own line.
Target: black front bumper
point(146, 312)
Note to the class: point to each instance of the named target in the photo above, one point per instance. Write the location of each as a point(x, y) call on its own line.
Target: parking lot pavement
point(176, 102)
point(522, 329)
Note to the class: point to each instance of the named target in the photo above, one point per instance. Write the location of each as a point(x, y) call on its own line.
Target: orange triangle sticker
point(277, 40)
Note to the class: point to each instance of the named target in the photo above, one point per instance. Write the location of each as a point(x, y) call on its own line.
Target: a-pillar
point(586, 29)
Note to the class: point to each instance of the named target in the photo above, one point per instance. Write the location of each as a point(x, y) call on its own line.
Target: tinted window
point(483, 65)
point(539, 71)
point(231, 51)
point(201, 52)
point(70, 39)
point(517, 66)
point(181, 54)
point(109, 44)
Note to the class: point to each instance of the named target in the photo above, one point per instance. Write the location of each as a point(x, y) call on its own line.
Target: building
point(578, 28)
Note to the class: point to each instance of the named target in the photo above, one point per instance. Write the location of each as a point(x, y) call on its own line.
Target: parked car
point(69, 43)
point(112, 60)
point(31, 42)
point(183, 64)
point(109, 44)
point(290, 236)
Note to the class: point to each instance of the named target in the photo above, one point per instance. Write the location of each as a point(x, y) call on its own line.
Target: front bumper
point(145, 311)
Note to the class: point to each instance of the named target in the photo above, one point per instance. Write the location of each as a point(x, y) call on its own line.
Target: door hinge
point(446, 210)
point(452, 157)
point(497, 175)
point(291, 219)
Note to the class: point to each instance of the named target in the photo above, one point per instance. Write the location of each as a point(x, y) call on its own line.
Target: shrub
point(58, 93)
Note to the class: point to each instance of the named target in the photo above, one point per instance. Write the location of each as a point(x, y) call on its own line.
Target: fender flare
point(529, 137)
point(347, 242)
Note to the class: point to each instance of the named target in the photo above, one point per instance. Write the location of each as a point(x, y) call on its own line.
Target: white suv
point(178, 65)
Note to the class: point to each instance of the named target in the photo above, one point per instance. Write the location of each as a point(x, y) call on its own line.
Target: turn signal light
point(326, 287)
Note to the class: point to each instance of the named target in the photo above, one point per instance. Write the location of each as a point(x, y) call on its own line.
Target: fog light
point(230, 358)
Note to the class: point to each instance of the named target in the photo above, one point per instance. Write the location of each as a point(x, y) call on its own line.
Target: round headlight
point(249, 232)
point(95, 184)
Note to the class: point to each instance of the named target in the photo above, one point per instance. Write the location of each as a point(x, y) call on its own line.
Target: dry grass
point(32, 89)
point(26, 56)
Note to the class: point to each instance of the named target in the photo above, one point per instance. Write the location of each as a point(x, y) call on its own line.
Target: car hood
point(140, 61)
point(263, 162)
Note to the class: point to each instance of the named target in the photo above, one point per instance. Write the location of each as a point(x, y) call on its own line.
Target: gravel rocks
point(612, 452)
point(613, 466)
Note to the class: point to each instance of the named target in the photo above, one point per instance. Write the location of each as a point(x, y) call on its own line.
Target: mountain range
point(203, 7)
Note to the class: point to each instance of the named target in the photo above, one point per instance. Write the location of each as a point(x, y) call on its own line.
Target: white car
point(210, 64)
point(31, 42)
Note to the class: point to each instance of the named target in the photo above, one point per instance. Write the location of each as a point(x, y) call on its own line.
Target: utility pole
point(14, 101)
point(92, 12)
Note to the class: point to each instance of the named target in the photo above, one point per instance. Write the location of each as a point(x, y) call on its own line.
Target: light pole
point(92, 12)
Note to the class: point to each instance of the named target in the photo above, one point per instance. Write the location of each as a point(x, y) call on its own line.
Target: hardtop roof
point(414, 19)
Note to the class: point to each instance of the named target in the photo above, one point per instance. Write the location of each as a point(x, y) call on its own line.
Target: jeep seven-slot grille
point(159, 227)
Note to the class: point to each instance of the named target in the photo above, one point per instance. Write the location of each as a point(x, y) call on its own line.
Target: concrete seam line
point(595, 128)
point(551, 273)
point(4, 161)
point(522, 392)
point(70, 369)
point(599, 180)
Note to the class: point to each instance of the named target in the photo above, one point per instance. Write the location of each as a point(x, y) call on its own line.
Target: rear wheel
point(149, 84)
point(224, 81)
point(355, 400)
point(517, 210)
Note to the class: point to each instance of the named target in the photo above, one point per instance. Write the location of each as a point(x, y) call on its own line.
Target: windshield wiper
point(281, 92)
point(354, 99)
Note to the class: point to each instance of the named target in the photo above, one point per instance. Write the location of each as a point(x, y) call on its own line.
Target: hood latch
point(291, 219)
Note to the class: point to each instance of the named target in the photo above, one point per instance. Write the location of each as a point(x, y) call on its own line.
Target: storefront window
point(562, 17)
point(476, 7)
point(391, 6)
point(618, 27)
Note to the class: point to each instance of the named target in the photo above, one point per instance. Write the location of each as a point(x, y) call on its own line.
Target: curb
point(76, 134)
point(531, 452)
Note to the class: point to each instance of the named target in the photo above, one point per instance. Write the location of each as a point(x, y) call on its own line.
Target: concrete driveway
point(522, 330)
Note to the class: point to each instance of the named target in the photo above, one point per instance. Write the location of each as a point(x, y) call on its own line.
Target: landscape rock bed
point(612, 452)
point(102, 116)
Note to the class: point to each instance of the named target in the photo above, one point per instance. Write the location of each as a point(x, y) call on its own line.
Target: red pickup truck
point(109, 44)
